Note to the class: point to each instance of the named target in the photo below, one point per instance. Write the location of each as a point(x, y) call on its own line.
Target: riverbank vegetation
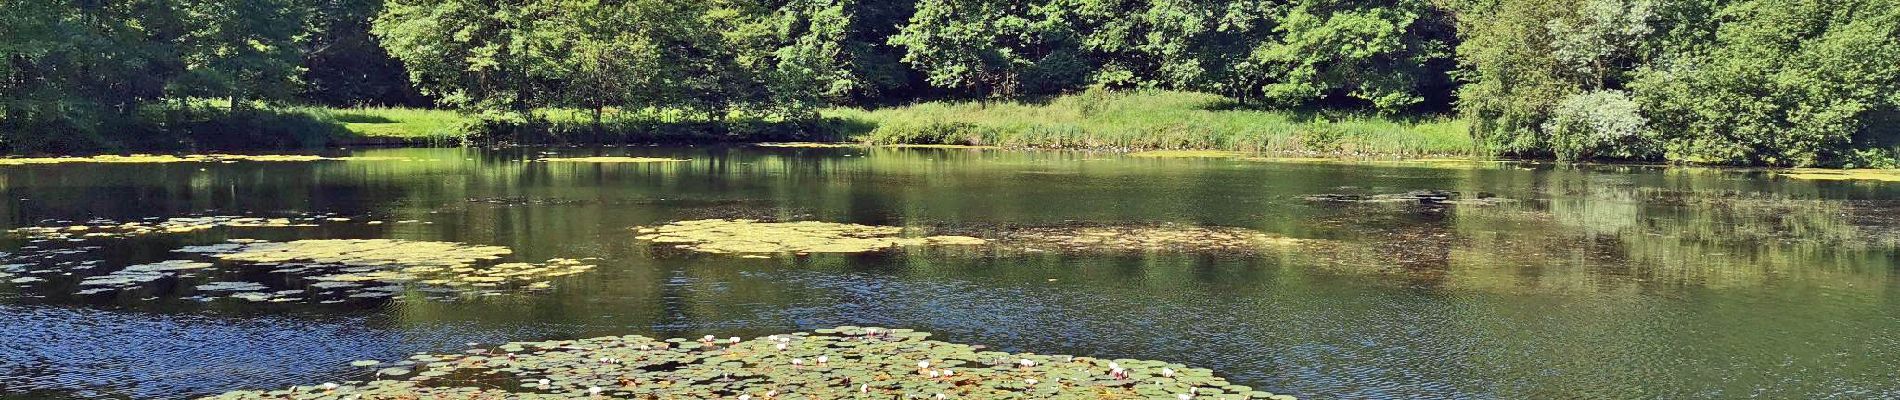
point(1756, 82)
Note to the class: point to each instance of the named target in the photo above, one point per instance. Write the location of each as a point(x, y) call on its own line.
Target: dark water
point(1590, 282)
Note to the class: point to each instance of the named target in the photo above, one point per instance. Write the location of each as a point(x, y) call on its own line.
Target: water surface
point(1573, 282)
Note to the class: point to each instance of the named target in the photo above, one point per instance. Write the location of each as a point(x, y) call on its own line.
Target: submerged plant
point(846, 362)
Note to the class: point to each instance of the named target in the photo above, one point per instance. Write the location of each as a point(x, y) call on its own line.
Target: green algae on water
point(845, 362)
point(745, 236)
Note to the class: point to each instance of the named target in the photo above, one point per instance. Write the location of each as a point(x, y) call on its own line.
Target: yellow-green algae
point(113, 229)
point(846, 362)
point(745, 236)
point(399, 261)
point(611, 160)
point(1185, 154)
point(810, 145)
point(165, 158)
point(1883, 175)
point(1145, 238)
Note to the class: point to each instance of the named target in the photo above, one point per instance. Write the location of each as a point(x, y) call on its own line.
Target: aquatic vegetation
point(1884, 175)
point(1421, 197)
point(165, 158)
point(745, 236)
point(846, 362)
point(610, 160)
point(1167, 237)
point(1185, 154)
point(394, 261)
point(101, 228)
point(330, 270)
point(809, 145)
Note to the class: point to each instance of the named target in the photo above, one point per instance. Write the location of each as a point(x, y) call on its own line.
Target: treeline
point(1772, 82)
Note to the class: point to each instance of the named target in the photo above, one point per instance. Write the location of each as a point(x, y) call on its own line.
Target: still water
point(1565, 282)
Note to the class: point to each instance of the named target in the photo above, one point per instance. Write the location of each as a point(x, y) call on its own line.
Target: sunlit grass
point(1157, 120)
point(387, 122)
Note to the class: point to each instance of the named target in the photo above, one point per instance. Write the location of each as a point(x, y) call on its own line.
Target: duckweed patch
point(1883, 175)
point(101, 228)
point(395, 261)
point(165, 159)
point(1419, 197)
point(846, 362)
point(1166, 237)
point(611, 160)
point(746, 236)
point(1185, 154)
point(323, 270)
point(809, 145)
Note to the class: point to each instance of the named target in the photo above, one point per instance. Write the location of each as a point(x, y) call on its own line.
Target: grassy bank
point(1142, 120)
point(1156, 120)
point(1098, 120)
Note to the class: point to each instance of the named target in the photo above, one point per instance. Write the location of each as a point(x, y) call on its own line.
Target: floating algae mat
point(1185, 154)
point(1884, 175)
point(101, 228)
point(1421, 197)
point(1167, 237)
point(745, 236)
point(323, 270)
point(847, 362)
point(164, 159)
point(395, 261)
point(810, 145)
point(611, 160)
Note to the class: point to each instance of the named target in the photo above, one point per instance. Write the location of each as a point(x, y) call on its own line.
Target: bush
point(1604, 123)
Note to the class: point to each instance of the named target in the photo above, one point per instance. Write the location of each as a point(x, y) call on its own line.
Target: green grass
point(401, 123)
point(1157, 120)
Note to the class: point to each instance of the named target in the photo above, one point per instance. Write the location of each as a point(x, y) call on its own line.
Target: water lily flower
point(593, 390)
point(733, 340)
point(1167, 372)
point(823, 359)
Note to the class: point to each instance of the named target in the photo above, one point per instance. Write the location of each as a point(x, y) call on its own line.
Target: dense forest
point(1758, 82)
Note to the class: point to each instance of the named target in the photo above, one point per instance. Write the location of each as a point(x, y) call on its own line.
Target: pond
point(1435, 279)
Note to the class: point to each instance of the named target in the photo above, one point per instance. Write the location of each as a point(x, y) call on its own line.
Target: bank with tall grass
point(1142, 120)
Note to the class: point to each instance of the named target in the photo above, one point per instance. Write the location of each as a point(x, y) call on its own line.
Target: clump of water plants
point(754, 237)
point(1883, 175)
point(164, 159)
point(1165, 237)
point(611, 160)
point(102, 228)
point(1420, 197)
point(394, 261)
point(1185, 154)
point(846, 362)
point(324, 270)
point(810, 145)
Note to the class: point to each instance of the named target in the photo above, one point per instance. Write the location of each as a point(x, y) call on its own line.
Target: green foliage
point(344, 65)
point(1154, 120)
point(1392, 55)
point(1603, 123)
point(240, 49)
point(1785, 83)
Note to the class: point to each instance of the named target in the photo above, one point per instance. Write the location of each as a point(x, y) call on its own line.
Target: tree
point(993, 48)
point(241, 50)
